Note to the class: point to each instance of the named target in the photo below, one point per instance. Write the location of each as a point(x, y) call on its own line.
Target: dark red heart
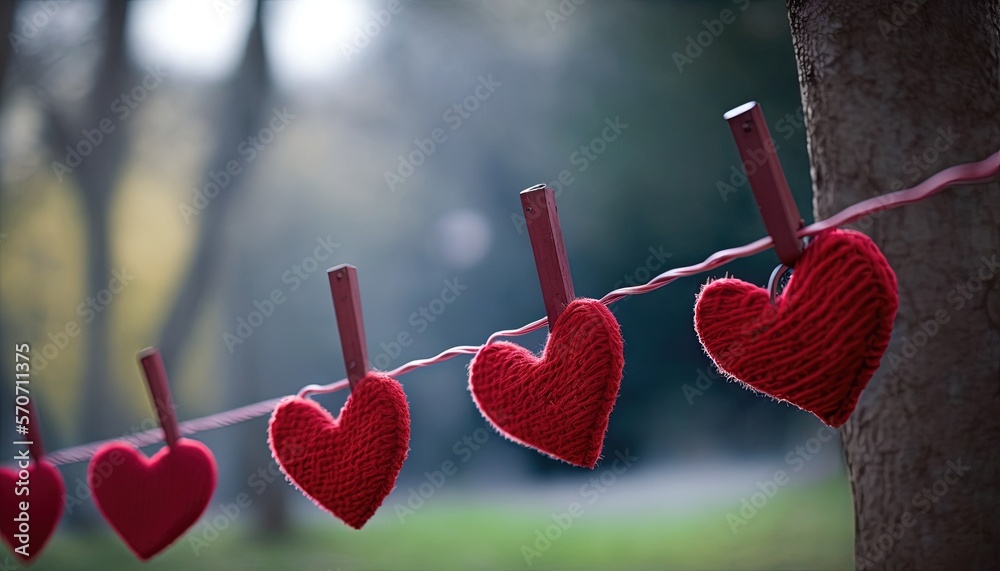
point(559, 403)
point(46, 496)
point(821, 341)
point(150, 502)
point(349, 464)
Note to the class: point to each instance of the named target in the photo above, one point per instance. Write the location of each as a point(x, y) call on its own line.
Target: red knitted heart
point(45, 496)
point(349, 464)
point(821, 341)
point(560, 403)
point(150, 502)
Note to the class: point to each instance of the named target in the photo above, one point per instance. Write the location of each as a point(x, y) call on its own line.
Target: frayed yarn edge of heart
point(294, 484)
point(614, 329)
point(847, 407)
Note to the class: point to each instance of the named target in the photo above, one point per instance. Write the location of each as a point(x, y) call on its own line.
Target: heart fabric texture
point(46, 496)
point(349, 464)
point(821, 341)
point(559, 403)
point(150, 502)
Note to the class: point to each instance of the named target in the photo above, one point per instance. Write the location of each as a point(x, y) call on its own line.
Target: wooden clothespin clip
point(767, 180)
point(542, 221)
point(350, 324)
point(770, 189)
point(159, 391)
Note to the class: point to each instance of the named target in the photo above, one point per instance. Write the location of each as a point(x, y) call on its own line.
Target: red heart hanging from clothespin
point(821, 340)
point(349, 464)
point(32, 496)
point(561, 402)
point(818, 344)
point(150, 502)
point(45, 507)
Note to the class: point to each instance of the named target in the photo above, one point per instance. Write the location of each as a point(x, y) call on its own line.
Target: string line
point(959, 174)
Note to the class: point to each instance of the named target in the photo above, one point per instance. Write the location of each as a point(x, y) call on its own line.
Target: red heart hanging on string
point(45, 495)
point(150, 502)
point(559, 403)
point(349, 464)
point(821, 341)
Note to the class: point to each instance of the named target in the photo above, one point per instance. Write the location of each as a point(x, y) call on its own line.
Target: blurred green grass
point(810, 527)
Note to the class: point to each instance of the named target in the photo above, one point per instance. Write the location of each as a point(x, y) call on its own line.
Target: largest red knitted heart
point(45, 496)
point(150, 502)
point(818, 345)
point(346, 465)
point(559, 403)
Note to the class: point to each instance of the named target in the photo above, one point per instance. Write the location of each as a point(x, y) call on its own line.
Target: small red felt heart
point(821, 341)
point(150, 502)
point(559, 403)
point(45, 495)
point(349, 464)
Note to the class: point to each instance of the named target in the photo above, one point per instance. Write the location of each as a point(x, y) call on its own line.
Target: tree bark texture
point(894, 91)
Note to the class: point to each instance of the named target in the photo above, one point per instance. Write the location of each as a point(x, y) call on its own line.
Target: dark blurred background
point(205, 154)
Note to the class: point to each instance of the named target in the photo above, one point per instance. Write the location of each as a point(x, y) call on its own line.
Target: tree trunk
point(96, 178)
point(246, 112)
point(246, 383)
point(894, 91)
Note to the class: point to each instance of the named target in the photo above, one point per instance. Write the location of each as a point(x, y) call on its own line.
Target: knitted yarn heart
point(558, 403)
point(349, 464)
point(45, 495)
point(821, 341)
point(150, 502)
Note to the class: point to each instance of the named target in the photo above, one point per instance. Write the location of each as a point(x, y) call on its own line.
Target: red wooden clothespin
point(542, 220)
point(767, 180)
point(350, 324)
point(159, 391)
